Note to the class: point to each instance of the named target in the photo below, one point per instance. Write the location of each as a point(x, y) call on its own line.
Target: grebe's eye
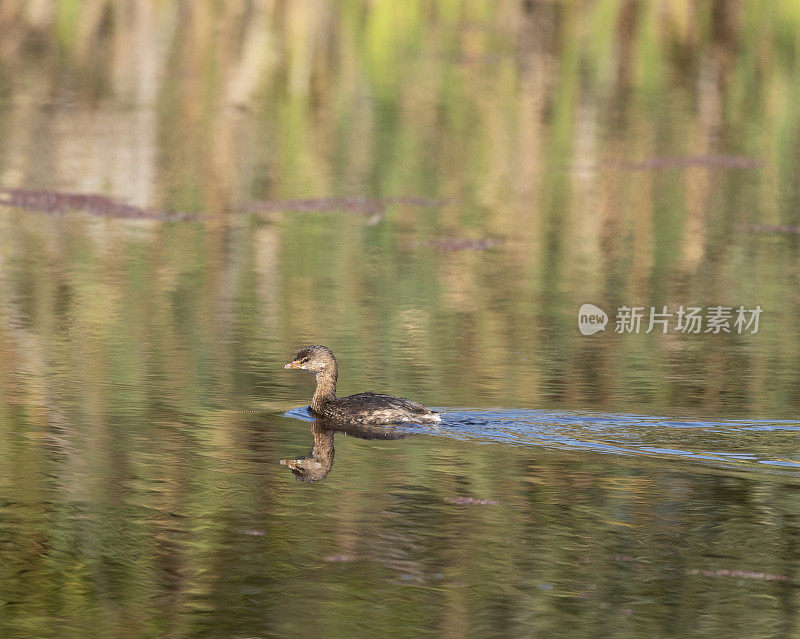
point(304, 360)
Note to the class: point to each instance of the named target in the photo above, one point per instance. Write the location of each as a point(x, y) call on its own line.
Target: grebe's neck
point(322, 449)
point(326, 387)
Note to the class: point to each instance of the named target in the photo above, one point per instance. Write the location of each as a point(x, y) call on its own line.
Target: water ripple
point(744, 443)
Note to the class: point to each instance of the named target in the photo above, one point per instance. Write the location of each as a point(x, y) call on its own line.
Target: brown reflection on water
point(317, 464)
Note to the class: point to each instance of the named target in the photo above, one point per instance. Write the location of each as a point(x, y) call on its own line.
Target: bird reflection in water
point(319, 461)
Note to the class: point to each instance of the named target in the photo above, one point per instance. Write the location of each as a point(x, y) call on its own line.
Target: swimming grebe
point(364, 408)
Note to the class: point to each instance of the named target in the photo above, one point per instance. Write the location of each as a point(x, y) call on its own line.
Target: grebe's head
point(313, 358)
point(309, 468)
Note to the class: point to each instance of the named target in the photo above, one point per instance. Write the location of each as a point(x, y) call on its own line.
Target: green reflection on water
point(133, 495)
point(194, 530)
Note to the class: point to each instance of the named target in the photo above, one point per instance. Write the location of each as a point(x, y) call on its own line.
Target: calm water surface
point(433, 191)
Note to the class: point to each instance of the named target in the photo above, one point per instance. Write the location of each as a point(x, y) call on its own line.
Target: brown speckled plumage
point(363, 408)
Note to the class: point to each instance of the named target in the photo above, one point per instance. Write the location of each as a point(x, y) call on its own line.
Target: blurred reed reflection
point(620, 154)
point(433, 190)
point(195, 529)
